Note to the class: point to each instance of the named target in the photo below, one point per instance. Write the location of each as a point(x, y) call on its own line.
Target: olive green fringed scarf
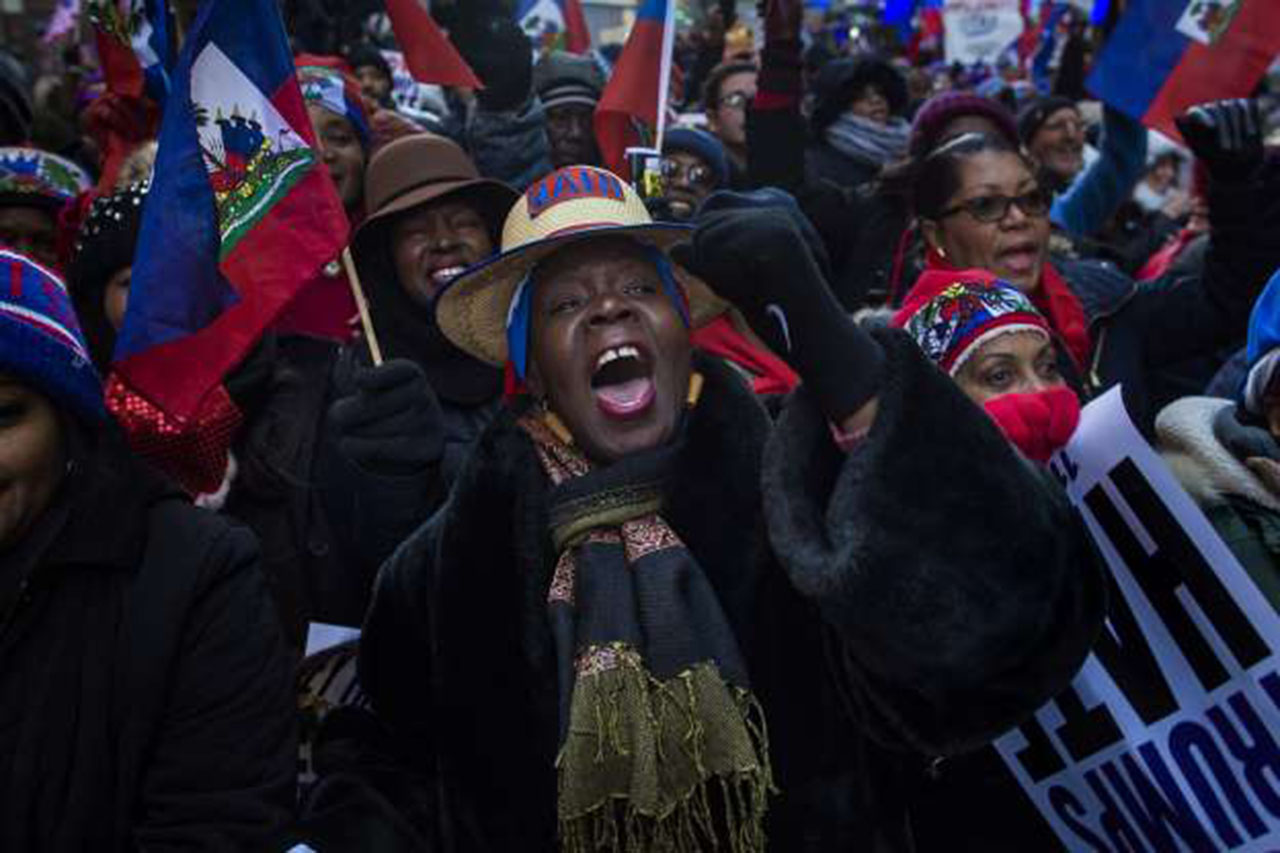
point(662, 745)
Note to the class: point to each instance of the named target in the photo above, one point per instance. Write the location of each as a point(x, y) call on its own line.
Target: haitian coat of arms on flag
point(1206, 20)
point(252, 154)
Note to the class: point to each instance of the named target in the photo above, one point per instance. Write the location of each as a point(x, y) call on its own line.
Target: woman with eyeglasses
point(980, 205)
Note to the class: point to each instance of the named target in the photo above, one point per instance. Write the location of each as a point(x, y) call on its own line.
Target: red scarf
point(1054, 299)
point(771, 374)
point(1158, 263)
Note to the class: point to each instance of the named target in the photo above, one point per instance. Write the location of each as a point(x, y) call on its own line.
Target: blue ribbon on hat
point(522, 300)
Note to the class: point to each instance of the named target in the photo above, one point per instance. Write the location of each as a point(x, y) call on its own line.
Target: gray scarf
point(868, 141)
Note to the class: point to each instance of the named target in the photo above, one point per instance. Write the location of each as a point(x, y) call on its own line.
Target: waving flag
point(555, 24)
point(637, 91)
point(133, 45)
point(430, 55)
point(240, 215)
point(1167, 55)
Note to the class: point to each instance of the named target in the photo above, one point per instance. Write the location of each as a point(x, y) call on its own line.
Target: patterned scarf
point(663, 746)
point(868, 141)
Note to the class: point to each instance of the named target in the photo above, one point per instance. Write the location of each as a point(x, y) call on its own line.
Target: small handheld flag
point(1165, 56)
point(133, 45)
point(240, 215)
point(637, 91)
point(430, 55)
point(555, 24)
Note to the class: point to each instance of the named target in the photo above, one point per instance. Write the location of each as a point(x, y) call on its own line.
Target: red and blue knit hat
point(40, 340)
point(335, 90)
point(951, 313)
point(38, 178)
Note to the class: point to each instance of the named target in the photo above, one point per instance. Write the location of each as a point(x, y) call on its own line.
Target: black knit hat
point(1036, 113)
point(841, 81)
point(363, 54)
point(104, 246)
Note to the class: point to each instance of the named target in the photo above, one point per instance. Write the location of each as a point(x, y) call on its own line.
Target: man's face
point(30, 231)
point(609, 351)
point(432, 243)
point(1059, 144)
point(342, 153)
point(689, 181)
point(374, 85)
point(571, 136)
point(728, 120)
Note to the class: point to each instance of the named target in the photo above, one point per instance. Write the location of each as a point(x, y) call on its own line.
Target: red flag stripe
point(431, 57)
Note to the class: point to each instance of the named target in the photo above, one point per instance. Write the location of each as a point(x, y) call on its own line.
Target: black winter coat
point(910, 600)
point(146, 690)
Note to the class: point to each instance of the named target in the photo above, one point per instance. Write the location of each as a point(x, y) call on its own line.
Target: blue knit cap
point(40, 340)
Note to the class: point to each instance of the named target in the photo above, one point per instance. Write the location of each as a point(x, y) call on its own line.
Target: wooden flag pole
point(357, 291)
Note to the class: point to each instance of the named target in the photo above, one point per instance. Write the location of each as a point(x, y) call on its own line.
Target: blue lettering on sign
point(1114, 824)
point(1069, 810)
point(1186, 741)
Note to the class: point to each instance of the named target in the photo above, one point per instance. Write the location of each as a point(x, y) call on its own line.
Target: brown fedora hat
point(421, 168)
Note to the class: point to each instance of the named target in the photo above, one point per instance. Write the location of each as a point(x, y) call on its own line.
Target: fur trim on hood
point(1203, 465)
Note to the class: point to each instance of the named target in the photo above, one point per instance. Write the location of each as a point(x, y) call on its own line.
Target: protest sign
point(1167, 738)
point(980, 30)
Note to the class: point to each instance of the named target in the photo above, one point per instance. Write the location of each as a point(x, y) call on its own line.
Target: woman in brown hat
point(430, 216)
point(645, 619)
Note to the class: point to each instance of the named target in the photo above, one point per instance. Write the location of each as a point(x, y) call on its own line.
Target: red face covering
point(1038, 424)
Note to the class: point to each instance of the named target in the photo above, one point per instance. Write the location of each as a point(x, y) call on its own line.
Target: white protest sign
point(980, 30)
point(1167, 738)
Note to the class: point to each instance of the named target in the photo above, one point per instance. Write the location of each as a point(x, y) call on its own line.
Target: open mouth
point(623, 382)
point(1021, 259)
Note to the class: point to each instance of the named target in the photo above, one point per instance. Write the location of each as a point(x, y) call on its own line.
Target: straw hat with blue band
point(570, 204)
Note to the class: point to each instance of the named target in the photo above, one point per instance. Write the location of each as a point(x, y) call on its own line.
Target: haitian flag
point(555, 25)
point(240, 215)
point(133, 45)
point(1167, 55)
point(430, 55)
point(638, 88)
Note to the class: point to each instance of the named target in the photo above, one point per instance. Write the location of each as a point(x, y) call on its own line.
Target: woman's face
point(1015, 245)
point(32, 458)
point(115, 298)
point(871, 104)
point(1016, 363)
point(342, 153)
point(609, 351)
point(434, 242)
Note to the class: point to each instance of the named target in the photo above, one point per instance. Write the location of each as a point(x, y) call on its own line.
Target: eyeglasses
point(737, 100)
point(993, 208)
point(695, 174)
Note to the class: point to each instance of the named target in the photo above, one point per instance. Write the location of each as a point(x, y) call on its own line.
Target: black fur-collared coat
point(909, 600)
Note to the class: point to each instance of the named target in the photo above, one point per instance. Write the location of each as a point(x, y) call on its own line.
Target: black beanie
point(364, 54)
point(1037, 112)
point(104, 246)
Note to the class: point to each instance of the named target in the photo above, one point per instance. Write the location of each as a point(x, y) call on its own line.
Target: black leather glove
point(1226, 136)
point(392, 424)
point(751, 249)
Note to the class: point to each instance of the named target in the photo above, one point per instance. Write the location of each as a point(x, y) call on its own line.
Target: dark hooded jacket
point(145, 684)
point(887, 613)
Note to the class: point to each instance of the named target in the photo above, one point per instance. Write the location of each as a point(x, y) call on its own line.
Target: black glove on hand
point(750, 248)
point(392, 424)
point(1226, 135)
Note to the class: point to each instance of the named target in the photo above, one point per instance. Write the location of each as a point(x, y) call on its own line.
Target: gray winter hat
point(562, 78)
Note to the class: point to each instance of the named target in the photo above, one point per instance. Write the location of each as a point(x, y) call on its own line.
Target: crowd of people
point(719, 518)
